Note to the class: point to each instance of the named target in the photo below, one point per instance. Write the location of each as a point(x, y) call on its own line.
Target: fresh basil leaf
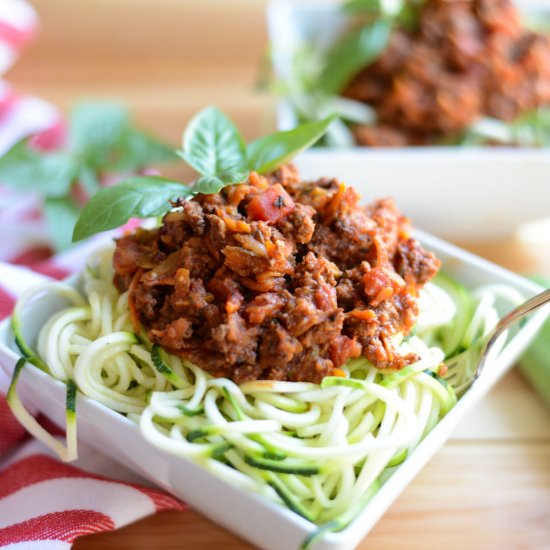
point(50, 174)
point(212, 144)
point(138, 150)
point(354, 52)
point(61, 215)
point(95, 128)
point(139, 197)
point(268, 153)
point(209, 185)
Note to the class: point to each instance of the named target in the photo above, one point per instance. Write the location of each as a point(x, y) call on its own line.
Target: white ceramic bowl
point(261, 522)
point(462, 194)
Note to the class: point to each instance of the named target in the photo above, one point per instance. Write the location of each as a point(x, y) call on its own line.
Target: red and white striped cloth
point(46, 504)
point(18, 22)
point(19, 115)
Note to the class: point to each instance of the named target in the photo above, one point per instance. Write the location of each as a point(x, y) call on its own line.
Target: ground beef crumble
point(276, 279)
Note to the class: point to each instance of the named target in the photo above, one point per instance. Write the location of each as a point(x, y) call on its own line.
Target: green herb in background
point(310, 103)
point(372, 22)
point(101, 140)
point(357, 50)
point(214, 147)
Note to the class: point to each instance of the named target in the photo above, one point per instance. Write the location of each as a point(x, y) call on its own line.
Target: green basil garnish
point(212, 144)
point(139, 197)
point(214, 147)
point(355, 51)
point(267, 153)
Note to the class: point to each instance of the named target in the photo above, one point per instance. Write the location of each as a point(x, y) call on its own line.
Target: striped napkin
point(46, 504)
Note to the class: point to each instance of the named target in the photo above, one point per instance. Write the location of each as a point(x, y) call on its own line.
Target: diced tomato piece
point(271, 206)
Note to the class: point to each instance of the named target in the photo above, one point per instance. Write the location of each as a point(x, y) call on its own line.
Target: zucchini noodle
point(321, 450)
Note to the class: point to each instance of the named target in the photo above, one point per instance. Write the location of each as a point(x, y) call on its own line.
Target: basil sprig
point(214, 147)
point(212, 144)
point(101, 140)
point(353, 52)
point(372, 22)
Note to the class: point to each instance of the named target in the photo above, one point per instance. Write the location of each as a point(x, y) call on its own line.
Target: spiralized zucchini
point(321, 450)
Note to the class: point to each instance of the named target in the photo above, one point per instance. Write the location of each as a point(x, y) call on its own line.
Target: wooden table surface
point(489, 487)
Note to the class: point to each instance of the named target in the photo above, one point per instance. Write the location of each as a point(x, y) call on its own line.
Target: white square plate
point(263, 523)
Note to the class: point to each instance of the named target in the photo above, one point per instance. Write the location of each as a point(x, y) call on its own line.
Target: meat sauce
point(277, 279)
point(467, 59)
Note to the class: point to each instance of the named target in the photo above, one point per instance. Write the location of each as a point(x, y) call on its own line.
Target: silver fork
point(505, 323)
